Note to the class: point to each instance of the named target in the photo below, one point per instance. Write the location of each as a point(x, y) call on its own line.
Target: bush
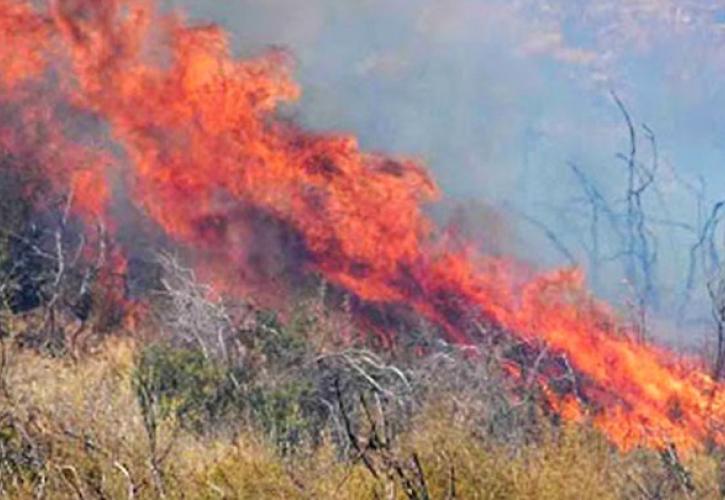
point(74, 427)
point(56, 271)
point(207, 397)
point(22, 191)
point(21, 459)
point(180, 382)
point(282, 415)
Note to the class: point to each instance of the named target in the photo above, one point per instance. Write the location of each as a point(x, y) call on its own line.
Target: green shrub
point(282, 414)
point(21, 460)
point(180, 382)
point(280, 346)
point(205, 396)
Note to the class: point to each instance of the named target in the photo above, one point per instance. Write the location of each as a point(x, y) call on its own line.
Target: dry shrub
point(82, 431)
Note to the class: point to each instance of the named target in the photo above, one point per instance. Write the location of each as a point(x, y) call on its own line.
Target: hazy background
point(497, 97)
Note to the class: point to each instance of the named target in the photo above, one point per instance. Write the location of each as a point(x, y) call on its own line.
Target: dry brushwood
point(192, 313)
point(49, 276)
point(375, 450)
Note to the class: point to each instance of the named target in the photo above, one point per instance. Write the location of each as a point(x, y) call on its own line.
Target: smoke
point(499, 97)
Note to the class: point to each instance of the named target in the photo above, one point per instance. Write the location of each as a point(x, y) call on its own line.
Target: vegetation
point(195, 396)
point(83, 430)
point(132, 419)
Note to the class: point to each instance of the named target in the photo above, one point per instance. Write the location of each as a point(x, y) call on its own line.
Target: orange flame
point(201, 137)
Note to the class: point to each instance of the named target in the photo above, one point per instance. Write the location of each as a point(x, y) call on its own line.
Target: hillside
point(206, 294)
point(144, 420)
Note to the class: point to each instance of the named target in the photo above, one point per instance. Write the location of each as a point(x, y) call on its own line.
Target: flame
point(202, 139)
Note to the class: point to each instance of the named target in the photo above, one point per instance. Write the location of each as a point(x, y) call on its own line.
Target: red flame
point(201, 138)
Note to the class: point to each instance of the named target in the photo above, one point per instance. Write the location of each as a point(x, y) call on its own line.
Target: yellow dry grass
point(85, 417)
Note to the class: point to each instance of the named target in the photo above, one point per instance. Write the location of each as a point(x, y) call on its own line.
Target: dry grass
point(83, 431)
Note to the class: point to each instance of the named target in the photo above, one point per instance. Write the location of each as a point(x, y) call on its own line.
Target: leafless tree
point(192, 312)
point(618, 229)
point(53, 267)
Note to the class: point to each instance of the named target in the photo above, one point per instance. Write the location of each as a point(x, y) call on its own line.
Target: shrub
point(180, 382)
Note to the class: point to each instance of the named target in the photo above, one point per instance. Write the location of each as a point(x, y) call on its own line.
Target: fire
point(201, 142)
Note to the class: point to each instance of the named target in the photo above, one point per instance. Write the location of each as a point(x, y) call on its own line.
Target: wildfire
point(201, 141)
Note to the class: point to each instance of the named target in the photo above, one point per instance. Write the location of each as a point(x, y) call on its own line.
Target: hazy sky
point(496, 96)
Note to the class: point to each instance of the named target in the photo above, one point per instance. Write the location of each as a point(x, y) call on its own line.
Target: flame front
point(201, 137)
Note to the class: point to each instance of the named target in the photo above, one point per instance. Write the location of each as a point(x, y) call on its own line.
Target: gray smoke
point(501, 98)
